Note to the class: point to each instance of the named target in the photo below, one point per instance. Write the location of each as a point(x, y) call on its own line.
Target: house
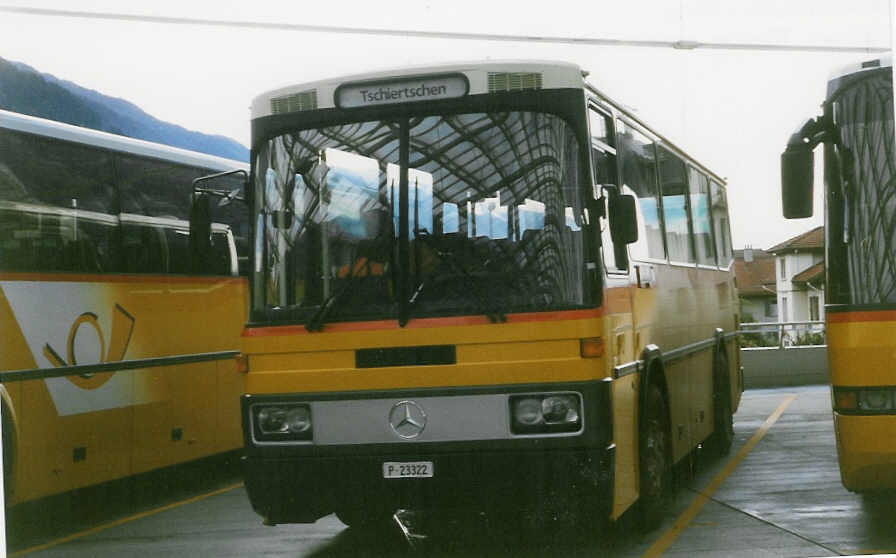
point(799, 274)
point(755, 273)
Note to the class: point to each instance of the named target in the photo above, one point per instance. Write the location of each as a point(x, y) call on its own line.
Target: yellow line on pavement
point(123, 520)
point(664, 542)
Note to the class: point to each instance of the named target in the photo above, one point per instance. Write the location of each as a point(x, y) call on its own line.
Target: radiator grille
point(304, 100)
point(513, 81)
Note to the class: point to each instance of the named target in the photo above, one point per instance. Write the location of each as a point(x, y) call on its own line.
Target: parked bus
point(96, 269)
point(485, 286)
point(856, 129)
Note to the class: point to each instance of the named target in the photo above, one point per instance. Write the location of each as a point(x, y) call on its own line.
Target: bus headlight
point(546, 413)
point(282, 422)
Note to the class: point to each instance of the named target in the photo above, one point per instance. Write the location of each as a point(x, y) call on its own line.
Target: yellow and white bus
point(482, 286)
point(856, 129)
point(113, 339)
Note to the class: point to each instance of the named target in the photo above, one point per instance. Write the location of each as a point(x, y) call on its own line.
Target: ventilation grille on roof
point(303, 100)
point(513, 81)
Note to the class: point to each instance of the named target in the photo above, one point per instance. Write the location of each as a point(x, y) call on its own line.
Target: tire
point(364, 519)
point(8, 458)
point(723, 419)
point(655, 461)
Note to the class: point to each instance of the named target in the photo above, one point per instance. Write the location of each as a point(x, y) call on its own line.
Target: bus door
point(617, 304)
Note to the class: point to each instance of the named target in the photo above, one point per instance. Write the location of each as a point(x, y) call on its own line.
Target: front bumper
point(475, 466)
point(301, 490)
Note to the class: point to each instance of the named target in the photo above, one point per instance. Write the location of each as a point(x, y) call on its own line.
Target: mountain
point(27, 91)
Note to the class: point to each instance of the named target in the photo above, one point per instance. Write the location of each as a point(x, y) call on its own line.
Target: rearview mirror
point(797, 178)
point(200, 229)
point(623, 218)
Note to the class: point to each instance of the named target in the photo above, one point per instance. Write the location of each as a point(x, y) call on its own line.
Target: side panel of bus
point(94, 268)
point(682, 287)
point(77, 431)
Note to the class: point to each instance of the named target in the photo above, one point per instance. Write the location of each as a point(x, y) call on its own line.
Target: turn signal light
point(592, 347)
point(845, 400)
point(242, 363)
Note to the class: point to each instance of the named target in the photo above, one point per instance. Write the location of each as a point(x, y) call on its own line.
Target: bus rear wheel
point(723, 428)
point(8, 457)
point(655, 461)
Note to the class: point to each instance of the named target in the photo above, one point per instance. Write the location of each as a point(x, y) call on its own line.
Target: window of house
point(783, 268)
point(813, 308)
point(785, 314)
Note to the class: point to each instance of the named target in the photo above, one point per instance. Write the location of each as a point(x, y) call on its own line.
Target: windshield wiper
point(492, 311)
point(317, 320)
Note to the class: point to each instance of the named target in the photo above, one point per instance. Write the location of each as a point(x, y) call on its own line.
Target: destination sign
point(428, 88)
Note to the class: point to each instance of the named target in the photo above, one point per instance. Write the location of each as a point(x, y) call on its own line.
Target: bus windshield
point(862, 201)
point(494, 213)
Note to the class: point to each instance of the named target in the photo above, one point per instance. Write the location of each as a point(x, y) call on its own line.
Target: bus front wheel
point(655, 460)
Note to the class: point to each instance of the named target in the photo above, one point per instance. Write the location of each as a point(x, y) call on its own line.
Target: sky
point(733, 110)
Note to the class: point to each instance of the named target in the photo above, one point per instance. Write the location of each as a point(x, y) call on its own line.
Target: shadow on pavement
point(38, 522)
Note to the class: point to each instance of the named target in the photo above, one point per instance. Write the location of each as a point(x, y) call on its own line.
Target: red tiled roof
point(812, 240)
point(810, 274)
point(756, 278)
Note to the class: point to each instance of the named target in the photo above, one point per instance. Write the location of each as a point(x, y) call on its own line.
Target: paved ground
point(777, 494)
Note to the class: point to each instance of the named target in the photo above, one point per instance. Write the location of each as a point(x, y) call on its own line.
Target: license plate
point(407, 470)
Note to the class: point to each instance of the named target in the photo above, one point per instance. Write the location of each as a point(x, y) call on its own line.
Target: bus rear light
point(592, 347)
point(876, 400)
point(546, 413)
point(242, 363)
point(845, 400)
point(865, 400)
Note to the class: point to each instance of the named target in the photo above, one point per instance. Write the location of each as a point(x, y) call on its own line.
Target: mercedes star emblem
point(407, 419)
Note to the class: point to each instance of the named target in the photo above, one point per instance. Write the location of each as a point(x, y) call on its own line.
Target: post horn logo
point(119, 339)
point(407, 419)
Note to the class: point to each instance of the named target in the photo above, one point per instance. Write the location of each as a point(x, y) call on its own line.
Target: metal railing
point(782, 335)
point(86, 370)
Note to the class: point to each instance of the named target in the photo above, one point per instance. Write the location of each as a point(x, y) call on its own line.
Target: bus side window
point(603, 161)
point(155, 188)
point(703, 237)
point(144, 248)
point(637, 161)
point(219, 259)
point(676, 209)
point(720, 224)
point(179, 256)
point(56, 202)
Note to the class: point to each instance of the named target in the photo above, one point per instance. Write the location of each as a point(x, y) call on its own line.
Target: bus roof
point(322, 94)
point(846, 75)
point(482, 77)
point(114, 142)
